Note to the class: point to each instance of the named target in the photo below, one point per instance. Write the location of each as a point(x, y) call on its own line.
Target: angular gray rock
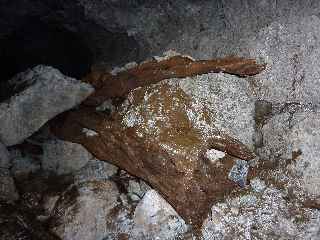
point(44, 92)
point(62, 157)
point(154, 218)
point(229, 100)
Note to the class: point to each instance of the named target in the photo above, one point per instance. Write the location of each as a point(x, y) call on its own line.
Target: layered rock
point(162, 131)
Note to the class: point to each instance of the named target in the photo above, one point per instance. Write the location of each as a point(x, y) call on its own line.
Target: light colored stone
point(260, 216)
point(257, 185)
point(154, 218)
point(106, 106)
point(89, 132)
point(88, 211)
point(290, 49)
point(46, 94)
point(296, 137)
point(214, 155)
point(62, 157)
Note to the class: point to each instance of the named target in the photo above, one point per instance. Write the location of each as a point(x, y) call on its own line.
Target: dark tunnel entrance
point(73, 52)
point(36, 42)
point(40, 43)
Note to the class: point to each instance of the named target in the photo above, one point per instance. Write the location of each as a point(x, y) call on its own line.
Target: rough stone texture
point(63, 157)
point(95, 170)
point(265, 215)
point(88, 211)
point(154, 218)
point(4, 157)
point(162, 132)
point(43, 93)
point(203, 29)
point(8, 191)
point(295, 137)
point(290, 49)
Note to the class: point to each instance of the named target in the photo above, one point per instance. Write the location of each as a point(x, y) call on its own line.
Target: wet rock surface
point(43, 93)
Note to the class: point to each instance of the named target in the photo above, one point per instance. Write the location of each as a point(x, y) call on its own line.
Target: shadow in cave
point(36, 42)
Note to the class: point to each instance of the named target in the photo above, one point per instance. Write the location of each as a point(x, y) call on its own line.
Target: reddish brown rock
point(161, 134)
point(110, 86)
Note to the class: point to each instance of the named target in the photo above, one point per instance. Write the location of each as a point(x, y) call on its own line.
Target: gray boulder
point(44, 92)
point(265, 215)
point(295, 137)
point(62, 157)
point(154, 218)
point(229, 101)
point(89, 211)
point(290, 49)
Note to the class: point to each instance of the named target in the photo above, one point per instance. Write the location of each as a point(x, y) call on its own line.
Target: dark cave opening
point(36, 42)
point(73, 50)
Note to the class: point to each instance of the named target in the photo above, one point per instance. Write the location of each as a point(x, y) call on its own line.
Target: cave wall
point(77, 34)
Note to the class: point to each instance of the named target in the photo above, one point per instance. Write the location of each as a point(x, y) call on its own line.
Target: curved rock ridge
point(163, 129)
